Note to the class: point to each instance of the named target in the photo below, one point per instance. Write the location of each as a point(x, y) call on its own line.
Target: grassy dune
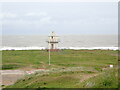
point(71, 79)
point(106, 79)
point(68, 69)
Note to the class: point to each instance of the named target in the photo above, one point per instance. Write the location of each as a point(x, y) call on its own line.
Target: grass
point(50, 80)
point(64, 58)
point(10, 66)
point(63, 69)
point(107, 79)
point(70, 79)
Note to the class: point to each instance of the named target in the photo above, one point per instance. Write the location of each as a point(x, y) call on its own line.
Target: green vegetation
point(68, 69)
point(10, 66)
point(64, 58)
point(70, 79)
point(107, 79)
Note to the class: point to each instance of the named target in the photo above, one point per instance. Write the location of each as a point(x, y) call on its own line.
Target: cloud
point(7, 15)
point(36, 14)
point(60, 0)
point(46, 19)
point(31, 18)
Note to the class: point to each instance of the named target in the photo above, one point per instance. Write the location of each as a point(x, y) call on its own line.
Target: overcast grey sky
point(63, 18)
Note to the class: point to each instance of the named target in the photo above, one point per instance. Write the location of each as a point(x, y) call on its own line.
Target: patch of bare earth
point(9, 79)
point(10, 76)
point(87, 76)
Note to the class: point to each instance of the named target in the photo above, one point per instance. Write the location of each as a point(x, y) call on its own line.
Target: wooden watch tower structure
point(53, 42)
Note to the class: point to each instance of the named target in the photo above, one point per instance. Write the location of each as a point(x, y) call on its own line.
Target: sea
point(27, 42)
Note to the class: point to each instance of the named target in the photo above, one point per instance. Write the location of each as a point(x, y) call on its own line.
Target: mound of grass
point(50, 80)
point(10, 66)
point(107, 79)
point(69, 79)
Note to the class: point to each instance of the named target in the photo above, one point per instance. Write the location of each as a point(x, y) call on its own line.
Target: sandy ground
point(9, 77)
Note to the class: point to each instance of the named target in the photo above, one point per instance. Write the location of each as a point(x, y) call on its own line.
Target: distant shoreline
point(43, 48)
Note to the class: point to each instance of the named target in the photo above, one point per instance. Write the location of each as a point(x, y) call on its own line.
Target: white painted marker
point(111, 66)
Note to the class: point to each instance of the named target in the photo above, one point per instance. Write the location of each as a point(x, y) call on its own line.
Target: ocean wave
point(22, 48)
point(43, 48)
point(92, 48)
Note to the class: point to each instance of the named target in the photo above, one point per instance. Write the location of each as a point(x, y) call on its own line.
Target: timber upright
point(53, 42)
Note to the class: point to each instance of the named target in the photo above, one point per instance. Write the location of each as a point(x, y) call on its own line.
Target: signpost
point(49, 53)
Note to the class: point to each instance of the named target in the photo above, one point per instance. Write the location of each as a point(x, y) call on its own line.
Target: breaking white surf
point(74, 48)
